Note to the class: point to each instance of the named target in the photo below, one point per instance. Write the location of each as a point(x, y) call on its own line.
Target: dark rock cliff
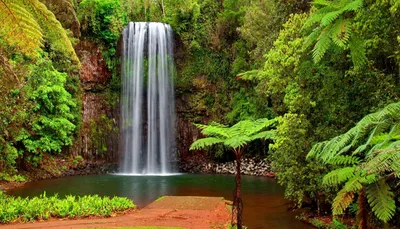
point(98, 138)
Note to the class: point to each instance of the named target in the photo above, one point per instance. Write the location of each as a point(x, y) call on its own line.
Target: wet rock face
point(191, 108)
point(94, 74)
point(98, 137)
point(99, 131)
point(186, 132)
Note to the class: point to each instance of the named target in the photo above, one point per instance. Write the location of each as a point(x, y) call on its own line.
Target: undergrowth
point(17, 209)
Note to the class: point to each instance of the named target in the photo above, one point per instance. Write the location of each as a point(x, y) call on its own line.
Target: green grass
point(17, 209)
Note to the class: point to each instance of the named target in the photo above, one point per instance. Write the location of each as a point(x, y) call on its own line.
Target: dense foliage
point(39, 67)
point(40, 208)
point(318, 67)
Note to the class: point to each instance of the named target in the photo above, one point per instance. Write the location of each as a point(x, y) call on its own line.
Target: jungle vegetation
point(327, 72)
point(17, 209)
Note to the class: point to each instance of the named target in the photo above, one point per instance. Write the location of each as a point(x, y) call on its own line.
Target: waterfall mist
point(148, 103)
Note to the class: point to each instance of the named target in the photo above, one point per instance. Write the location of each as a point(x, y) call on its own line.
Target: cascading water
point(148, 103)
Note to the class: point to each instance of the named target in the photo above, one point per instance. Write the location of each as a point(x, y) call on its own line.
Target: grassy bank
point(17, 209)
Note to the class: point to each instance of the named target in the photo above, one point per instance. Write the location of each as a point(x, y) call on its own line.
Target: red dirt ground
point(172, 211)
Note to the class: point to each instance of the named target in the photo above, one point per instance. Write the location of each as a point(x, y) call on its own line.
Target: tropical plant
point(236, 138)
point(335, 27)
point(29, 24)
point(43, 207)
point(369, 157)
point(50, 123)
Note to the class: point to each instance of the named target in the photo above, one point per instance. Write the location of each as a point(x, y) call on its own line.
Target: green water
point(264, 205)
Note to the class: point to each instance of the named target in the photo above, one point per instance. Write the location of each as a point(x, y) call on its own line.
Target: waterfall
point(147, 100)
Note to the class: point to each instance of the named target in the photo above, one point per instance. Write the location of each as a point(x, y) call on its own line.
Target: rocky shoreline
point(249, 166)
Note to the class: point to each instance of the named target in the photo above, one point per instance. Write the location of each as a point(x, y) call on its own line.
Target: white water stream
point(148, 103)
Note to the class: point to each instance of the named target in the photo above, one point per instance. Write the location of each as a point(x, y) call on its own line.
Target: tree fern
point(384, 120)
point(236, 138)
point(376, 141)
point(334, 27)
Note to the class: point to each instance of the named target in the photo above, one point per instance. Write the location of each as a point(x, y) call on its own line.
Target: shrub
point(40, 208)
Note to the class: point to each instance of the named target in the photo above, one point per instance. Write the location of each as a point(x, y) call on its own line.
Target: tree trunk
point(237, 198)
point(162, 8)
point(362, 214)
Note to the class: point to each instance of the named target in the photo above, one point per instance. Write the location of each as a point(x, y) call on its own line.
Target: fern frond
point(28, 22)
point(334, 22)
point(339, 176)
point(53, 30)
point(384, 161)
point(381, 200)
point(236, 136)
point(321, 3)
point(357, 51)
point(341, 32)
point(204, 143)
point(330, 17)
point(312, 38)
point(249, 75)
point(355, 184)
point(353, 6)
point(20, 28)
point(213, 130)
point(317, 17)
point(237, 141)
point(322, 45)
point(377, 130)
point(253, 127)
point(334, 147)
point(344, 160)
point(342, 201)
point(269, 134)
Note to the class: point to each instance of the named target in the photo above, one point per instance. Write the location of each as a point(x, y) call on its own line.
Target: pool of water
point(264, 204)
